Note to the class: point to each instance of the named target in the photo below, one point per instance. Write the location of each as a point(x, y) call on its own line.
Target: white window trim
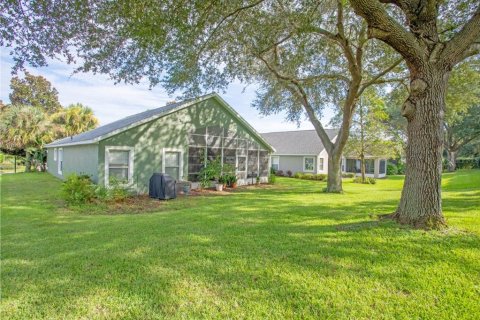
point(60, 162)
point(131, 157)
point(278, 162)
point(321, 160)
point(305, 170)
point(180, 171)
point(55, 154)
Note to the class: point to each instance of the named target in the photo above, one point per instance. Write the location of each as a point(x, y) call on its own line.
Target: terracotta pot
point(234, 185)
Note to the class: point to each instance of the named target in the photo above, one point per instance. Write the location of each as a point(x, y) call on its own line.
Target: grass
point(284, 251)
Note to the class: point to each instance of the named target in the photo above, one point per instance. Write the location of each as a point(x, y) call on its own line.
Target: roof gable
point(116, 127)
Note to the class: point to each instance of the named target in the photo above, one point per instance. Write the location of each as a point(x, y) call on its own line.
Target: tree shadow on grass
point(218, 258)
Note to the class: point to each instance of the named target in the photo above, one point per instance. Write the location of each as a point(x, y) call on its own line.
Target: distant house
point(174, 139)
point(303, 151)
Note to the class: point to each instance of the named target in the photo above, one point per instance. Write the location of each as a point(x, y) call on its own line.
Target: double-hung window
point(308, 164)
point(118, 164)
point(320, 164)
point(172, 163)
point(275, 162)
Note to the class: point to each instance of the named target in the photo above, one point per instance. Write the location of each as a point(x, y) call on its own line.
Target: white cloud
point(111, 102)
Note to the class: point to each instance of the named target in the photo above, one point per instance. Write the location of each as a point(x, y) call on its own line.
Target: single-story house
point(303, 151)
point(175, 139)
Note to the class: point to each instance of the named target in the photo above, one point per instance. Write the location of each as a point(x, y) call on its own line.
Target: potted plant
point(219, 186)
point(223, 180)
point(186, 188)
point(232, 181)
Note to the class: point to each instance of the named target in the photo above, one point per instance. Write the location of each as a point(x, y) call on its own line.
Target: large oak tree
point(432, 36)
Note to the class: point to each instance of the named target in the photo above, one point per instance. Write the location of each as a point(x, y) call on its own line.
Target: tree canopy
point(34, 91)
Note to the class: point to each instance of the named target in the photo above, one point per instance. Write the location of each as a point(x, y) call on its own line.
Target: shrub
point(116, 191)
point(298, 175)
point(401, 168)
point(272, 178)
point(289, 173)
point(392, 169)
point(78, 189)
point(307, 176)
point(368, 180)
point(468, 163)
point(280, 173)
point(348, 175)
point(320, 177)
point(101, 193)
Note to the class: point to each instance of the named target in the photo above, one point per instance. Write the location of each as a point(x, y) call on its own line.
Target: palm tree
point(75, 119)
point(25, 128)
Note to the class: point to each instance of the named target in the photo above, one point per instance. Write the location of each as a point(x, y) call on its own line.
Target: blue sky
point(111, 102)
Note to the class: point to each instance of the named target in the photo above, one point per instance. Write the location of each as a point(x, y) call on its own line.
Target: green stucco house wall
point(172, 139)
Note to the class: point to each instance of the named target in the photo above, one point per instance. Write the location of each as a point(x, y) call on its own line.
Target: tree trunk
point(452, 160)
point(334, 179)
point(28, 161)
point(362, 167)
point(421, 202)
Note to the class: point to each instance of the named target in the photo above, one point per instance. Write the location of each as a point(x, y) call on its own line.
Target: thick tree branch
point(383, 27)
point(375, 78)
point(296, 89)
point(455, 48)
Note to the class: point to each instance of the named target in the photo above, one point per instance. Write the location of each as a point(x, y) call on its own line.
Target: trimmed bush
point(78, 189)
point(468, 163)
point(289, 173)
point(348, 175)
point(320, 177)
point(298, 175)
point(368, 180)
point(279, 173)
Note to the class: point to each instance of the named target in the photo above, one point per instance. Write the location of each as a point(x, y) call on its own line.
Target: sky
point(111, 101)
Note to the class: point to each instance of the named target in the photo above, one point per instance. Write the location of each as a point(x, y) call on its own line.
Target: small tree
point(368, 136)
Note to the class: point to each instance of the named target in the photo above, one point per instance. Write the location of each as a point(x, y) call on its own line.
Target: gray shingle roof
point(121, 124)
point(301, 142)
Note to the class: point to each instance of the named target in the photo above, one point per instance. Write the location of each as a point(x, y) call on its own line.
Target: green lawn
point(287, 251)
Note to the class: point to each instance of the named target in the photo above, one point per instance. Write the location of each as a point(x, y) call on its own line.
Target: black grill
point(162, 186)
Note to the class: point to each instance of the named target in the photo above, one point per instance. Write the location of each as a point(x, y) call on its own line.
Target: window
point(308, 164)
point(275, 163)
point(54, 154)
point(241, 163)
point(352, 166)
point(383, 166)
point(118, 164)
point(252, 164)
point(369, 166)
point(263, 163)
point(172, 163)
point(60, 161)
point(196, 158)
point(320, 164)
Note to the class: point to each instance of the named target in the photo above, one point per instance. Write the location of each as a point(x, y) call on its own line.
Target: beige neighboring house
point(303, 151)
